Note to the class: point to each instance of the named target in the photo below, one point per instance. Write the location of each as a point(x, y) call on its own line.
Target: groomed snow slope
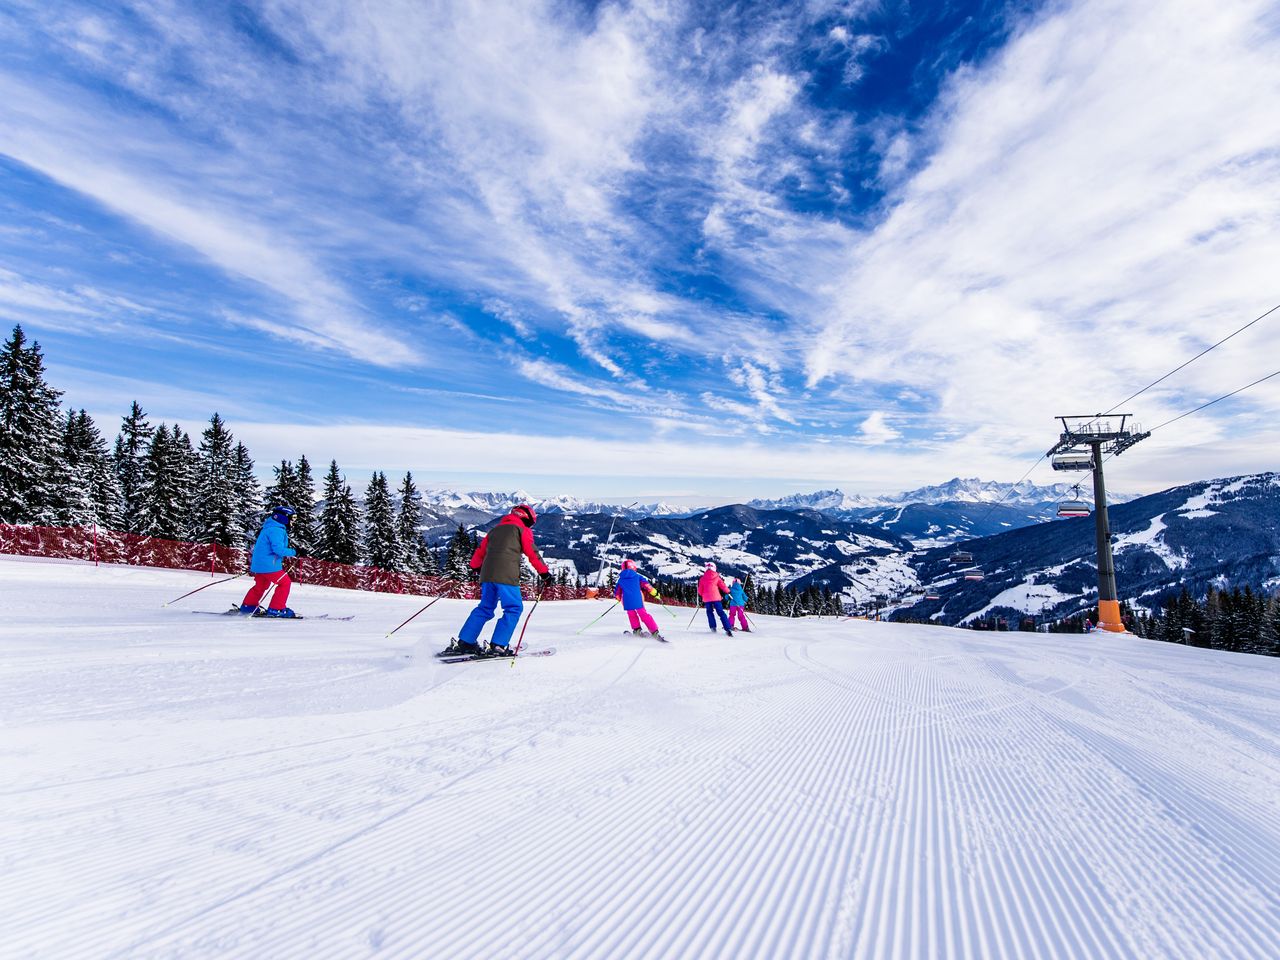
point(176, 785)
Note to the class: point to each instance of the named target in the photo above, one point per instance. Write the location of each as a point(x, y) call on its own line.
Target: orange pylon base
point(1109, 616)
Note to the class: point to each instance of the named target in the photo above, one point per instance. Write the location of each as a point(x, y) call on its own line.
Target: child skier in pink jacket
point(711, 590)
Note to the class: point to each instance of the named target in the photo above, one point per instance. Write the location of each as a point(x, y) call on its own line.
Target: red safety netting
point(112, 546)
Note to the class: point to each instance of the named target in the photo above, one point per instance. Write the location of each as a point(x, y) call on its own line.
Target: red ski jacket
point(498, 556)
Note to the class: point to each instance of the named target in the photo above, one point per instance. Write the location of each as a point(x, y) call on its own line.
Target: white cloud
point(89, 154)
point(876, 430)
point(558, 378)
point(1103, 201)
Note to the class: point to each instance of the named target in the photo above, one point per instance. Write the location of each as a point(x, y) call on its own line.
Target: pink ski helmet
point(628, 564)
point(711, 566)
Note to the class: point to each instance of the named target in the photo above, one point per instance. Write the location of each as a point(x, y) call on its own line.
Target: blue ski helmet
point(283, 514)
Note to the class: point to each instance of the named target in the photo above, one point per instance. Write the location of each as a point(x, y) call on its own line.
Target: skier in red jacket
point(498, 560)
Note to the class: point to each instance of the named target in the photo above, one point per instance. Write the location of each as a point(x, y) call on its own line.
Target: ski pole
point(205, 587)
point(664, 606)
point(272, 589)
point(593, 622)
point(695, 614)
point(537, 600)
point(414, 617)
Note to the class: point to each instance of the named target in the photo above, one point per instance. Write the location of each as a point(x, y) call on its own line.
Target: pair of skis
point(235, 612)
point(656, 636)
point(445, 657)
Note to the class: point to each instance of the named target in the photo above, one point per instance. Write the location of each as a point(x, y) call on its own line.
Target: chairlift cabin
point(1072, 460)
point(962, 556)
point(974, 574)
point(1073, 508)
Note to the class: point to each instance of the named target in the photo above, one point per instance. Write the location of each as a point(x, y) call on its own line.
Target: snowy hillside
point(179, 785)
point(792, 547)
point(1224, 531)
point(942, 514)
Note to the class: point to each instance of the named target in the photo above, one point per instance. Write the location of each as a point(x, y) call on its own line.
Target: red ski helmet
point(711, 566)
point(524, 513)
point(628, 564)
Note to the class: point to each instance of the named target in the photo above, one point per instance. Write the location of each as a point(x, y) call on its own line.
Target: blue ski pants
point(715, 607)
point(492, 594)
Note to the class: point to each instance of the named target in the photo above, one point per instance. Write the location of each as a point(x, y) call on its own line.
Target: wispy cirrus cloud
point(706, 209)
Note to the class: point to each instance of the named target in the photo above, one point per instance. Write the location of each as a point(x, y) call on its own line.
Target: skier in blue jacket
point(737, 605)
point(630, 590)
point(267, 566)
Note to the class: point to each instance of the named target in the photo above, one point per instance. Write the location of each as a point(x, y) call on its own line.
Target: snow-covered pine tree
point(418, 557)
point(248, 496)
point(339, 521)
point(74, 506)
point(186, 466)
point(31, 436)
point(1247, 616)
point(381, 543)
point(304, 531)
point(132, 443)
point(216, 511)
point(283, 490)
point(88, 491)
point(159, 501)
point(457, 564)
point(1269, 629)
point(100, 473)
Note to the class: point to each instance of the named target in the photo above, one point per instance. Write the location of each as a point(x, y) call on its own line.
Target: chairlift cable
point(1202, 406)
point(1192, 360)
point(992, 508)
point(1219, 399)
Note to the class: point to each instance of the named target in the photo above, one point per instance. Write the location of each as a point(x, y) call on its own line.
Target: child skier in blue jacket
point(630, 590)
point(737, 603)
point(267, 566)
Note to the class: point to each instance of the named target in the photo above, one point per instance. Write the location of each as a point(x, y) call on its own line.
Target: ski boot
point(657, 636)
point(495, 651)
point(728, 633)
point(283, 613)
point(637, 632)
point(460, 648)
point(248, 609)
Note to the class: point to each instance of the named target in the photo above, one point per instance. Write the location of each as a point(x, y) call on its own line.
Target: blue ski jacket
point(631, 589)
point(737, 596)
point(271, 547)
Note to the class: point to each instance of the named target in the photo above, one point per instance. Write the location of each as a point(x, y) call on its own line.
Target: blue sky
point(660, 249)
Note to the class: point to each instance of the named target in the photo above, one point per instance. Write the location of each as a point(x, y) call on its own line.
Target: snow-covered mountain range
point(790, 547)
point(930, 516)
point(956, 490)
point(470, 507)
point(1227, 529)
point(1004, 506)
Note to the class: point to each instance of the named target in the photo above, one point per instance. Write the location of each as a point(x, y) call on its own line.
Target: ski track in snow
point(812, 789)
